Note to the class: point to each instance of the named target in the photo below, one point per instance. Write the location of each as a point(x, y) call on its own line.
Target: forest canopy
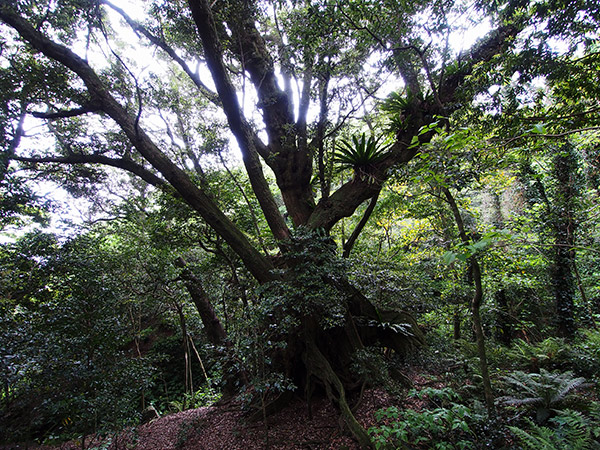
point(299, 198)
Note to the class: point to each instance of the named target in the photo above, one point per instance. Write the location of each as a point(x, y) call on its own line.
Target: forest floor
point(226, 427)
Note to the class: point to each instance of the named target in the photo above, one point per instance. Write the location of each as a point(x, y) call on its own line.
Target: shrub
point(447, 426)
point(543, 391)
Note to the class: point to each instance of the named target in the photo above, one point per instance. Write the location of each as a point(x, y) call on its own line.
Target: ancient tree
point(303, 65)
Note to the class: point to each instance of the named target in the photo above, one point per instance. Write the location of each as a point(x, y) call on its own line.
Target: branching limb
point(552, 136)
point(349, 196)
point(305, 101)
point(120, 163)
point(361, 225)
point(287, 70)
point(247, 140)
point(14, 144)
point(251, 49)
point(140, 29)
point(85, 109)
point(319, 141)
point(258, 265)
point(493, 44)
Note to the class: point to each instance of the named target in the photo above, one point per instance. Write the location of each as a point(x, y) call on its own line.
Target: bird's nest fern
point(361, 154)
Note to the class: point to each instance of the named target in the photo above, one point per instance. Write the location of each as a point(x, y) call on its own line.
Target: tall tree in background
point(305, 63)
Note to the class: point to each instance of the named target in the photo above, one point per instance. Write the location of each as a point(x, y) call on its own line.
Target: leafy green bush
point(206, 396)
point(447, 426)
point(66, 342)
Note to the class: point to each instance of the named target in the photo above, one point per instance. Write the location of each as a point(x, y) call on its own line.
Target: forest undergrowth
point(543, 401)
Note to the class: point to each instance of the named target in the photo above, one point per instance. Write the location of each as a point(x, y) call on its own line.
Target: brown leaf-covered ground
point(227, 428)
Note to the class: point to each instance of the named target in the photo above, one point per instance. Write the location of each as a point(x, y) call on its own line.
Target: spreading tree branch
point(350, 195)
point(14, 144)
point(120, 163)
point(247, 140)
point(64, 114)
point(256, 263)
point(160, 43)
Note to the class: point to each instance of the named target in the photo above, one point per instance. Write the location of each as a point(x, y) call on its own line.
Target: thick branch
point(120, 163)
point(343, 202)
point(304, 102)
point(361, 225)
point(14, 144)
point(257, 264)
point(88, 108)
point(290, 159)
point(319, 140)
point(258, 63)
point(246, 139)
point(214, 329)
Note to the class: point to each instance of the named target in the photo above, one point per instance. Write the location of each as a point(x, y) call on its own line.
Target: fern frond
point(360, 153)
point(539, 439)
point(567, 386)
point(545, 391)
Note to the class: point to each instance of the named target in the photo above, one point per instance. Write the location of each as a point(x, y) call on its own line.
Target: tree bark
point(475, 306)
point(212, 325)
point(361, 225)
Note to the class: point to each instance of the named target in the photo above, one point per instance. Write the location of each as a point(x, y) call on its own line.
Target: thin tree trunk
point(564, 224)
point(456, 323)
point(584, 298)
point(361, 225)
point(475, 307)
point(483, 365)
point(504, 329)
point(186, 350)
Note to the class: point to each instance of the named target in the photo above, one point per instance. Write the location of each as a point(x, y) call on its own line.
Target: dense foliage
point(302, 198)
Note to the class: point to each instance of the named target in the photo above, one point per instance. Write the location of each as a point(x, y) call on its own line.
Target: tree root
point(319, 366)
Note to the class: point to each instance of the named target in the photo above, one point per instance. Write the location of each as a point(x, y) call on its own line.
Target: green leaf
point(449, 257)
point(538, 128)
point(462, 257)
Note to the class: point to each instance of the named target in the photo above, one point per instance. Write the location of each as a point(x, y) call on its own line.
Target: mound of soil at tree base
point(227, 427)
